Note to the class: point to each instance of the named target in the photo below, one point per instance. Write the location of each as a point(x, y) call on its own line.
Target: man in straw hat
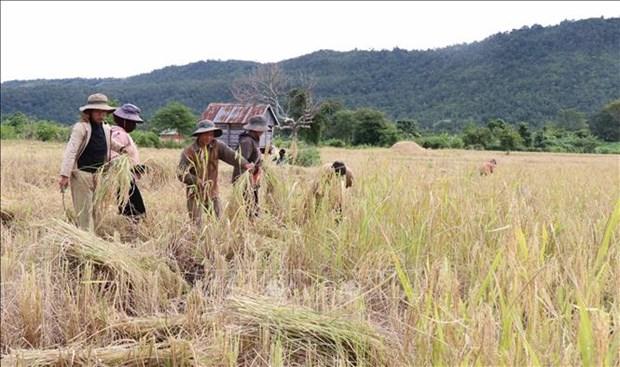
point(88, 149)
point(198, 169)
point(249, 148)
point(126, 117)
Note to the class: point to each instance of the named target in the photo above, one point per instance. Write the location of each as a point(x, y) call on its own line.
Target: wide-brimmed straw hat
point(129, 112)
point(97, 101)
point(256, 123)
point(205, 126)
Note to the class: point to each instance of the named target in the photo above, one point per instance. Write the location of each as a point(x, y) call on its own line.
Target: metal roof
point(168, 132)
point(236, 113)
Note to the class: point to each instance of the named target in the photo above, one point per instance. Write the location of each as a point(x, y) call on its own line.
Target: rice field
point(429, 264)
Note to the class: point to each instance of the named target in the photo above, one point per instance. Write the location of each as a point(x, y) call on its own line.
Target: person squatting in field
point(249, 148)
point(329, 187)
point(198, 170)
point(88, 149)
point(488, 167)
point(126, 117)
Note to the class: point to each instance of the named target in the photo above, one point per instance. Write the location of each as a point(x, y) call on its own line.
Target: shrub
point(48, 131)
point(307, 156)
point(7, 132)
point(442, 141)
point(146, 139)
point(611, 148)
point(336, 143)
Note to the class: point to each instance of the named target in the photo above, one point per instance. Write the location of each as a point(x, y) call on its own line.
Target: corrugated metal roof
point(235, 113)
point(169, 132)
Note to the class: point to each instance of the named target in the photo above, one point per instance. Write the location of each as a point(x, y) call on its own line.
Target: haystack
point(408, 147)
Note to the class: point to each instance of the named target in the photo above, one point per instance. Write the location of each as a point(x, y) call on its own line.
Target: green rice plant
point(610, 229)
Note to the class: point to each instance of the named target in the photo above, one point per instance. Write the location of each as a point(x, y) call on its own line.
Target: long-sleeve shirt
point(249, 148)
point(80, 136)
point(129, 146)
point(200, 165)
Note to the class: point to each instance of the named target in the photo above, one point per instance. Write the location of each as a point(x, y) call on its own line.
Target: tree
point(606, 123)
point(476, 136)
point(174, 115)
point(509, 139)
point(266, 84)
point(301, 111)
point(322, 119)
point(342, 126)
point(572, 120)
point(408, 128)
point(17, 120)
point(292, 100)
point(373, 128)
point(525, 133)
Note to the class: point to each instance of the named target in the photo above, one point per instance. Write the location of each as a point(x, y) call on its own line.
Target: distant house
point(171, 135)
point(230, 117)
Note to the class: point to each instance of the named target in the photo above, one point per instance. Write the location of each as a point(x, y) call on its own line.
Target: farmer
point(198, 169)
point(88, 149)
point(330, 185)
point(249, 148)
point(281, 158)
point(488, 167)
point(126, 117)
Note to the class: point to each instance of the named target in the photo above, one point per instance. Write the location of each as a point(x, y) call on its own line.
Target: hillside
point(523, 75)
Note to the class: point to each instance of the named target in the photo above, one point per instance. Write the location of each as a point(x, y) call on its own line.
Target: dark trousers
point(134, 208)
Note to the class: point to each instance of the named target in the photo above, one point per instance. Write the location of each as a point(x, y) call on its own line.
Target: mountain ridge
point(526, 74)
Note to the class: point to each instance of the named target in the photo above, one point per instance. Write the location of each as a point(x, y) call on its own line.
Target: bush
point(307, 156)
point(611, 148)
point(7, 132)
point(336, 143)
point(146, 139)
point(442, 141)
point(48, 131)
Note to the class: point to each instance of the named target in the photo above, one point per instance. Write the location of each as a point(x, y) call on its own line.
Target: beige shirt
point(80, 135)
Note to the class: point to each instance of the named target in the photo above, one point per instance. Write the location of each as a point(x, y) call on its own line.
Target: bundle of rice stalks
point(124, 264)
point(158, 174)
point(172, 352)
point(113, 183)
point(6, 216)
point(161, 326)
point(305, 332)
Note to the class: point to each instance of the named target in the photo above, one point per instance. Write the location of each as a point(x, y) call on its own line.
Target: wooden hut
point(171, 135)
point(230, 117)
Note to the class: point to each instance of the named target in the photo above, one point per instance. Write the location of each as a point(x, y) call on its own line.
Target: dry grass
point(430, 264)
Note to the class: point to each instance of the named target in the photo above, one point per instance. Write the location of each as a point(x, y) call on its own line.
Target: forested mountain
point(527, 74)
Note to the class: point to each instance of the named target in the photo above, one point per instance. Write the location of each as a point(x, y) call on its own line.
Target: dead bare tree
point(265, 84)
point(292, 100)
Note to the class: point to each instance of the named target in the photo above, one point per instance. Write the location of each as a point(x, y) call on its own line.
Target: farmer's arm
point(78, 134)
point(231, 157)
point(246, 148)
point(183, 170)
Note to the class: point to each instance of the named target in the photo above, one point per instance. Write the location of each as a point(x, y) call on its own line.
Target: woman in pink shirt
point(126, 117)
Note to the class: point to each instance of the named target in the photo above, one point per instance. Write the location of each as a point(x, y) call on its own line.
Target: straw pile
point(172, 352)
point(122, 263)
point(304, 331)
point(408, 147)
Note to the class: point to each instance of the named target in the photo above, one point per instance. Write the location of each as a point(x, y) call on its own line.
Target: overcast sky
point(119, 39)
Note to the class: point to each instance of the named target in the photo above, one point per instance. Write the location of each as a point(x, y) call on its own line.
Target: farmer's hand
point(256, 177)
point(63, 183)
